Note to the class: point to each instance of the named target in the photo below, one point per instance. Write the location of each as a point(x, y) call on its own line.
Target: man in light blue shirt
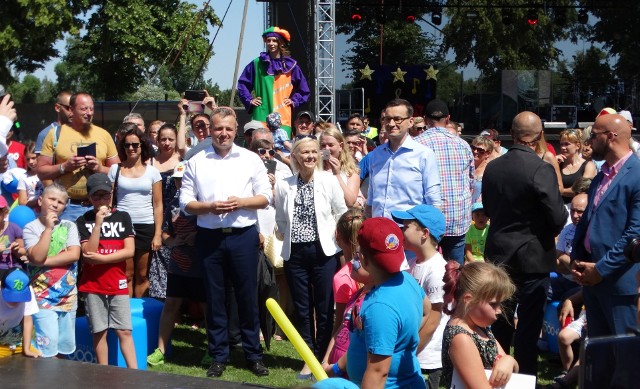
point(403, 173)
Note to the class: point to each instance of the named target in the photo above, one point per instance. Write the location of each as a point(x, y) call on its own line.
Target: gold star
point(398, 75)
point(432, 73)
point(366, 73)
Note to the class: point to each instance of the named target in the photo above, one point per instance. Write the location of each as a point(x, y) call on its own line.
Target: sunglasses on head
point(265, 151)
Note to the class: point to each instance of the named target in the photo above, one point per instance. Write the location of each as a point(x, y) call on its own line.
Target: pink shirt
point(343, 285)
point(609, 174)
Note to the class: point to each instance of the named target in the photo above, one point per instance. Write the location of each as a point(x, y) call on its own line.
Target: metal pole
point(235, 73)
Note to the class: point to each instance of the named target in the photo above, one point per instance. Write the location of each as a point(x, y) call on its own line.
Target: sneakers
point(155, 359)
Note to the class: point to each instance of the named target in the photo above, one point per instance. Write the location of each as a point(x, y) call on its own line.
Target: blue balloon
point(22, 215)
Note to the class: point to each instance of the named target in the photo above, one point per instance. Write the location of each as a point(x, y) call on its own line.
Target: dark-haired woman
point(171, 148)
point(138, 191)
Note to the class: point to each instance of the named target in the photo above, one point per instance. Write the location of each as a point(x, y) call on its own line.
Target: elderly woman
point(572, 164)
point(482, 148)
point(308, 205)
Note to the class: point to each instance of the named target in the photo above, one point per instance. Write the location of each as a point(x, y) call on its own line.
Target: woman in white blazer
point(308, 205)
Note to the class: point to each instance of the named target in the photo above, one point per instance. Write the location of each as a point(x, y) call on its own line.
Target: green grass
point(189, 346)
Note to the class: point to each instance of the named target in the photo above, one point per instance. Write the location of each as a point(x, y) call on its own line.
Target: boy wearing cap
point(385, 337)
point(53, 249)
point(423, 227)
point(107, 240)
point(17, 304)
point(476, 237)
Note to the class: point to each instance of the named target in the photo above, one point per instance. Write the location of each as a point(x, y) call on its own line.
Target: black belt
point(84, 203)
point(231, 230)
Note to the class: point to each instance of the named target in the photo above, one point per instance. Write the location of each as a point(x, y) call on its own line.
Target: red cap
point(382, 241)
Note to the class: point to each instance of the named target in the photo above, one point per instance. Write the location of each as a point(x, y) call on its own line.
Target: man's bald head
point(616, 124)
point(526, 126)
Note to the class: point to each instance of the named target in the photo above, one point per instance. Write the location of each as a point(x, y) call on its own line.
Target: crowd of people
point(407, 253)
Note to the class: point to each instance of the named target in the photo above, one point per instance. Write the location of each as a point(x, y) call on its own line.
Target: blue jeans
point(453, 248)
point(73, 211)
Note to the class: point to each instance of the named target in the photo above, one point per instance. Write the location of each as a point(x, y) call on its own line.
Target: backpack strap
point(56, 137)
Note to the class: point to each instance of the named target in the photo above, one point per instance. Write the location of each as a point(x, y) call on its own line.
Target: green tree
point(128, 42)
point(591, 74)
point(29, 30)
point(617, 28)
point(492, 45)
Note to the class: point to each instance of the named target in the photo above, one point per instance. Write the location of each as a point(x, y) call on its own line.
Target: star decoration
point(398, 75)
point(432, 73)
point(366, 72)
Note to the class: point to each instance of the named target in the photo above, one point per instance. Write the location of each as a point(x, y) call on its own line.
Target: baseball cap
point(252, 125)
point(606, 111)
point(436, 109)
point(15, 286)
point(476, 207)
point(427, 215)
point(98, 181)
point(382, 241)
point(628, 117)
point(178, 171)
point(311, 115)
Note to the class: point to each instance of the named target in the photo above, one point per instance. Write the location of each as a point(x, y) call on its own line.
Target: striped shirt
point(457, 170)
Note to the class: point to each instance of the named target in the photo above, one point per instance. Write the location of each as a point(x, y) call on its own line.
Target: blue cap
point(15, 286)
point(427, 215)
point(334, 383)
point(476, 207)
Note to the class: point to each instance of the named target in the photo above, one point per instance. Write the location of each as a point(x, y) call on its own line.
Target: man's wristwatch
point(61, 169)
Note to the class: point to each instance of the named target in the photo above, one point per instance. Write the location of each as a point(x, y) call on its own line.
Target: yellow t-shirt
point(76, 182)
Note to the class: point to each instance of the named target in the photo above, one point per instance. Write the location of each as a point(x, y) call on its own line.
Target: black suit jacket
point(521, 196)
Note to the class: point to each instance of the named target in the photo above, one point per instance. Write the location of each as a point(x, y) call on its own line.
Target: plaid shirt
point(457, 170)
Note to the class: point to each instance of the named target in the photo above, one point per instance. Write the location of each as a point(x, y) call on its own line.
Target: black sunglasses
point(299, 137)
point(264, 151)
point(134, 145)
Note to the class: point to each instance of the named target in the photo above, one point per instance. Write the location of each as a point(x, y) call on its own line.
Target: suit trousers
point(310, 277)
point(531, 299)
point(231, 256)
point(609, 314)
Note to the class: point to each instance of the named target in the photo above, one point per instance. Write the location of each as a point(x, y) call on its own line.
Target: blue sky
point(221, 66)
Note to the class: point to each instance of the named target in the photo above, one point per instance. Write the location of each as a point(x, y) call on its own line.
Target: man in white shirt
point(224, 186)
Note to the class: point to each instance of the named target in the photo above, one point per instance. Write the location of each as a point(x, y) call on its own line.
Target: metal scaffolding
point(325, 60)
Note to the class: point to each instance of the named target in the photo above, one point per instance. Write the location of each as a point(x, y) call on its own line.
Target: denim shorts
point(55, 332)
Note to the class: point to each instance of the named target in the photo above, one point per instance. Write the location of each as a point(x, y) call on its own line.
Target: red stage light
point(356, 17)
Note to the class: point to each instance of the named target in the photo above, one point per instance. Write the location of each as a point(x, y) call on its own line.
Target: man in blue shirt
point(403, 173)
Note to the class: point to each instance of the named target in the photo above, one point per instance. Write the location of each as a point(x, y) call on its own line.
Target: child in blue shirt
point(281, 140)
